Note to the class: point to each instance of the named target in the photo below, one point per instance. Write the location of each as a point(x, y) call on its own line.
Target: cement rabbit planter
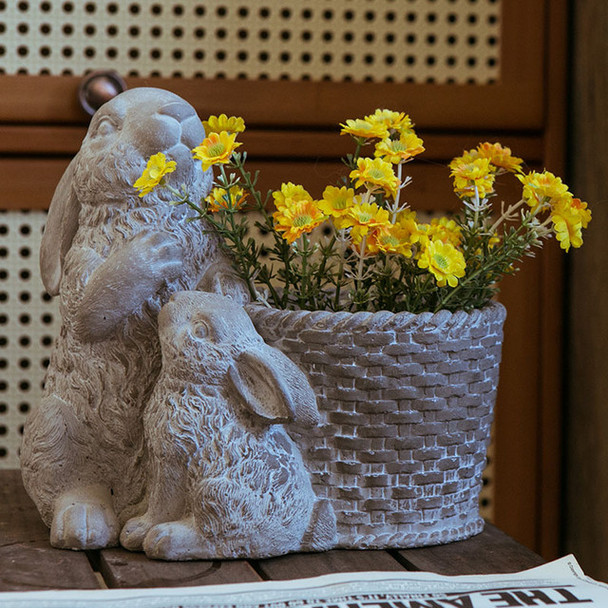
point(225, 479)
point(114, 261)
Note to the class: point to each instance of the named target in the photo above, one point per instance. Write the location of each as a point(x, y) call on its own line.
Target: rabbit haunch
point(114, 260)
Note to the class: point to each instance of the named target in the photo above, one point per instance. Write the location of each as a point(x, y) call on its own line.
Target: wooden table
point(28, 562)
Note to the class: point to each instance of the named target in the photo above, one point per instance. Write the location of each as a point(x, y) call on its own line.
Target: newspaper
point(559, 584)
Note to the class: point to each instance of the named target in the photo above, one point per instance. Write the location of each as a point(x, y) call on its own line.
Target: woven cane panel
point(29, 322)
point(442, 41)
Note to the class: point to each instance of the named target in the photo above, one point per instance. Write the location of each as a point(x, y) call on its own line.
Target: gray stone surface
point(226, 480)
point(114, 259)
point(405, 423)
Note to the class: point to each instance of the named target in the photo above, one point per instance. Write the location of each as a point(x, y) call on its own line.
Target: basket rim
point(493, 313)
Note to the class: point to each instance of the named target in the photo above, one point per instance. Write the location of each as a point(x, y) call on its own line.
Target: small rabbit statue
point(226, 480)
point(114, 259)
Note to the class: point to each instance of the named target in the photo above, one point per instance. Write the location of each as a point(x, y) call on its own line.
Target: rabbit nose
point(178, 110)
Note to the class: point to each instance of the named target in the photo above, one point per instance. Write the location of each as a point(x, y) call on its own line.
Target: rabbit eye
point(201, 330)
point(105, 127)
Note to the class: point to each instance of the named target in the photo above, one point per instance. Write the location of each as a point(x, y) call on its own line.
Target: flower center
point(217, 149)
point(390, 240)
point(156, 173)
point(441, 261)
point(302, 220)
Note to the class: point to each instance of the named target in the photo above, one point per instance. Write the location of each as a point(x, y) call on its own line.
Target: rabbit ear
point(273, 387)
point(61, 225)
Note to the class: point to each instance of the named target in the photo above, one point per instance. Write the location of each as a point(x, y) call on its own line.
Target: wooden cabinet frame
point(292, 127)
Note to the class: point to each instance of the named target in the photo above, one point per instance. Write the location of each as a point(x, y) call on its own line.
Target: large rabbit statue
point(226, 479)
point(114, 259)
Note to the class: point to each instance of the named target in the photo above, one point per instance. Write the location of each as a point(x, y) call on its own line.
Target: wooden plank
point(122, 569)
point(491, 552)
point(516, 417)
point(53, 140)
point(585, 528)
point(33, 181)
point(304, 565)
point(27, 560)
point(33, 140)
point(51, 99)
point(548, 542)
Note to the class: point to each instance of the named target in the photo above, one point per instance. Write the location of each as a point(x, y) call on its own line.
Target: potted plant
point(392, 318)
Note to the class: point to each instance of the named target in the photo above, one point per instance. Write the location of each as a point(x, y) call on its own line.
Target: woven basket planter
point(406, 404)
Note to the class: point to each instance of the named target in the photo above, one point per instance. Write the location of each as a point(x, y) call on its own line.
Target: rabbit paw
point(134, 531)
point(176, 541)
point(124, 282)
point(84, 525)
point(162, 252)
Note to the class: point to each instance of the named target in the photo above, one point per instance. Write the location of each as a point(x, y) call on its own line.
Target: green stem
point(504, 216)
point(398, 196)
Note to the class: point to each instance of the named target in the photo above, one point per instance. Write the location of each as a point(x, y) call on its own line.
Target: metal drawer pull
point(98, 87)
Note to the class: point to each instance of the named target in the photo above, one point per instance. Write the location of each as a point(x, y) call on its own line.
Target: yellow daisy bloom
point(336, 203)
point(300, 218)
point(580, 208)
point(500, 157)
point(216, 149)
point(446, 230)
point(288, 194)
point(375, 172)
point(363, 217)
point(467, 157)
point(543, 188)
point(407, 220)
point(217, 124)
point(157, 167)
point(444, 262)
point(569, 219)
point(469, 176)
point(221, 199)
point(363, 128)
point(400, 150)
point(390, 238)
point(391, 120)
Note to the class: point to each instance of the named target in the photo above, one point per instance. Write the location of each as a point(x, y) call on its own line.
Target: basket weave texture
point(406, 405)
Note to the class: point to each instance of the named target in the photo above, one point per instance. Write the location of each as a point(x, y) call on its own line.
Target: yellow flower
point(336, 203)
point(544, 188)
point(364, 216)
point(222, 199)
point(445, 230)
point(299, 218)
point(444, 262)
point(217, 124)
point(399, 150)
point(468, 156)
point(391, 120)
point(375, 172)
point(157, 167)
point(288, 194)
point(473, 176)
point(216, 149)
point(390, 238)
point(569, 218)
point(363, 128)
point(580, 208)
point(500, 157)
